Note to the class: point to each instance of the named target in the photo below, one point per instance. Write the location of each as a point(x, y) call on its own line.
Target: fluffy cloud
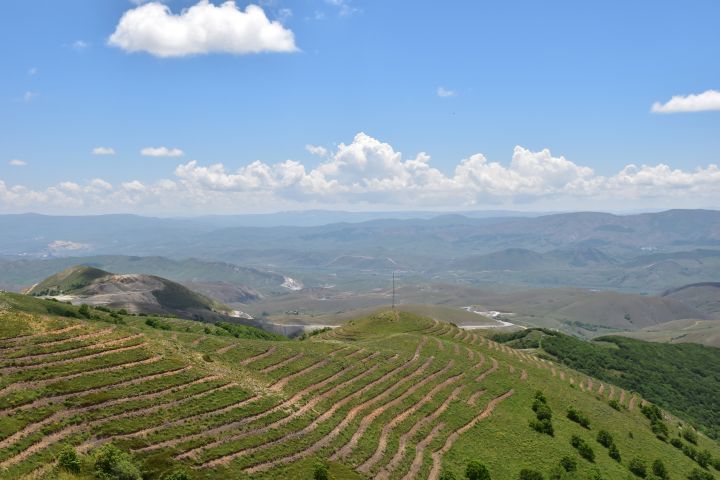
point(202, 28)
point(368, 173)
point(444, 92)
point(103, 151)
point(16, 162)
point(709, 100)
point(161, 152)
point(316, 150)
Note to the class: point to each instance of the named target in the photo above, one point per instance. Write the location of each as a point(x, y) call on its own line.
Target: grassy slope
point(703, 332)
point(69, 280)
point(682, 377)
point(404, 366)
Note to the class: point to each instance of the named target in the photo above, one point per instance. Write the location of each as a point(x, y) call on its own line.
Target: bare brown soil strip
point(452, 438)
point(481, 362)
point(457, 334)
point(323, 442)
point(487, 372)
point(370, 417)
point(54, 343)
point(264, 354)
point(420, 344)
point(66, 431)
point(280, 384)
point(439, 344)
point(72, 360)
point(633, 402)
point(289, 403)
point(524, 375)
point(23, 338)
point(601, 390)
point(67, 413)
point(384, 474)
point(370, 463)
point(275, 366)
point(470, 354)
point(562, 375)
point(590, 384)
point(225, 459)
point(622, 397)
point(37, 356)
point(420, 452)
point(356, 353)
point(553, 371)
point(457, 349)
point(511, 369)
point(197, 341)
point(226, 348)
point(472, 401)
point(41, 383)
point(611, 395)
point(48, 399)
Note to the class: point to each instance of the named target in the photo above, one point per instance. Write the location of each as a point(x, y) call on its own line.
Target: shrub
point(177, 475)
point(614, 453)
point(321, 471)
point(615, 404)
point(447, 475)
point(583, 448)
point(543, 412)
point(542, 426)
point(477, 471)
point(68, 459)
point(652, 412)
point(659, 470)
point(637, 467)
point(84, 310)
point(704, 458)
point(677, 443)
point(578, 417)
point(526, 474)
point(605, 438)
point(569, 464)
point(690, 435)
point(111, 463)
point(698, 474)
point(716, 464)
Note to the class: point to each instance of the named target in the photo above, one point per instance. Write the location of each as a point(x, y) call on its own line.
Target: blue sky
point(577, 78)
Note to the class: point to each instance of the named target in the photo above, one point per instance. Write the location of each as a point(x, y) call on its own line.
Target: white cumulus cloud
point(708, 100)
point(16, 162)
point(368, 173)
point(161, 152)
point(316, 150)
point(201, 29)
point(103, 151)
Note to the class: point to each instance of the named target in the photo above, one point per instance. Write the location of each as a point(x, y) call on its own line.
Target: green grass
point(234, 411)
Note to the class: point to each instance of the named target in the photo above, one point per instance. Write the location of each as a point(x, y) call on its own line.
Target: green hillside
point(684, 378)
point(389, 395)
point(69, 280)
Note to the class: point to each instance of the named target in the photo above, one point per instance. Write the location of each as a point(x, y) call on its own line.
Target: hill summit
point(136, 293)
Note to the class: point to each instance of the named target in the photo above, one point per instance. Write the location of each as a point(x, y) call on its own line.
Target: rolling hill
point(134, 293)
point(389, 395)
point(704, 297)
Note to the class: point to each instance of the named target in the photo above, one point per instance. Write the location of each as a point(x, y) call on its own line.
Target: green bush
point(614, 453)
point(569, 464)
point(637, 467)
point(111, 463)
point(698, 474)
point(177, 475)
point(543, 412)
point(68, 459)
point(659, 470)
point(447, 475)
point(704, 458)
point(605, 438)
point(542, 426)
point(583, 448)
point(476, 471)
point(615, 404)
point(689, 435)
point(526, 474)
point(84, 310)
point(578, 417)
point(321, 471)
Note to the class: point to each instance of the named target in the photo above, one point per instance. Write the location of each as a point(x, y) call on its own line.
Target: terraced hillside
point(390, 395)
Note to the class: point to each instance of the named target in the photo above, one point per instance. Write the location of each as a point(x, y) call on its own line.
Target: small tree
point(583, 448)
point(704, 458)
point(527, 474)
point(177, 475)
point(111, 463)
point(659, 470)
point(569, 464)
point(614, 453)
point(84, 310)
point(689, 435)
point(476, 471)
point(605, 439)
point(578, 417)
point(637, 467)
point(447, 475)
point(321, 471)
point(68, 459)
point(698, 474)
